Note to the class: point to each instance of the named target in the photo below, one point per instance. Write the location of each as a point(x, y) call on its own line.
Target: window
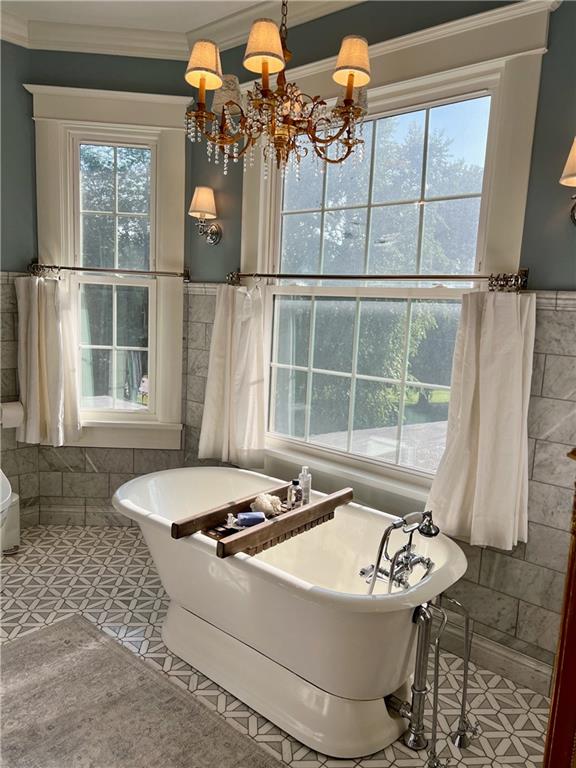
point(365, 370)
point(113, 228)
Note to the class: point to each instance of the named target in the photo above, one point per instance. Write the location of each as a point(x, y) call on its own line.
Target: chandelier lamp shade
point(286, 124)
point(568, 178)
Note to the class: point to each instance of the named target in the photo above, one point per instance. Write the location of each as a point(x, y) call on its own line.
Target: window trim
point(65, 117)
point(511, 78)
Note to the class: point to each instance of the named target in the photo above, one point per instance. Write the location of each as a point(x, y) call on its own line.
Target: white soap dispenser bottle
point(305, 479)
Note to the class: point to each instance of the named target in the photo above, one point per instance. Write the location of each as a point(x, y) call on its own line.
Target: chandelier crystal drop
point(283, 122)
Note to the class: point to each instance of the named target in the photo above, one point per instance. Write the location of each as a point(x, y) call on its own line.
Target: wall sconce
point(203, 207)
point(568, 177)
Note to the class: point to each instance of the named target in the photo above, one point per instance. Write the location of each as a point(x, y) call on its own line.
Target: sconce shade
point(568, 177)
point(230, 91)
point(203, 205)
point(353, 59)
point(204, 62)
point(264, 45)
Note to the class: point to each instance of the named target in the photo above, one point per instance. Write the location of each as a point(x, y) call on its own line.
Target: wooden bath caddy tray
point(264, 535)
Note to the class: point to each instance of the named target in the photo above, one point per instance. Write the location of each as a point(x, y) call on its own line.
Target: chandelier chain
point(284, 23)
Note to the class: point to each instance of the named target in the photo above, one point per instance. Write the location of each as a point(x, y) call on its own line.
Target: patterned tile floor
point(107, 575)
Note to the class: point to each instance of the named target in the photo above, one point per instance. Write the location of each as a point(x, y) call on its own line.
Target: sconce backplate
point(213, 234)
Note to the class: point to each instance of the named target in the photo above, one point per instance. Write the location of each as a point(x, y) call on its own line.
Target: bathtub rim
point(426, 589)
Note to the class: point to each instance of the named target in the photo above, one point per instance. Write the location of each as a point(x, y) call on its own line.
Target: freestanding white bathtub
point(291, 631)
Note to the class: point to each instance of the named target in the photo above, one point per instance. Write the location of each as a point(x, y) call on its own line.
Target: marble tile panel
point(62, 502)
point(531, 452)
point(66, 459)
point(191, 441)
point(29, 485)
point(538, 626)
point(71, 516)
point(50, 483)
point(197, 362)
point(195, 388)
point(514, 642)
point(537, 374)
point(109, 459)
point(8, 384)
point(493, 608)
point(201, 308)
point(196, 336)
point(550, 505)
point(559, 377)
point(194, 413)
point(7, 327)
point(526, 581)
point(547, 547)
point(9, 354)
point(14, 481)
point(555, 332)
point(7, 439)
point(20, 461)
point(551, 464)
point(209, 329)
point(152, 460)
point(553, 420)
point(84, 484)
point(473, 555)
point(118, 479)
point(8, 301)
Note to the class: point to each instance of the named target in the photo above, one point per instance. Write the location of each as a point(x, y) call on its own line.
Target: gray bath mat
point(75, 698)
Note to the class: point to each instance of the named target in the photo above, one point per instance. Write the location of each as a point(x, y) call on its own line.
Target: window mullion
point(403, 380)
point(114, 339)
point(308, 410)
point(422, 195)
point(370, 197)
point(353, 381)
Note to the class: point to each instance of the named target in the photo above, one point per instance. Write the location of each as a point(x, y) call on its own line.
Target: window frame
point(512, 84)
point(64, 118)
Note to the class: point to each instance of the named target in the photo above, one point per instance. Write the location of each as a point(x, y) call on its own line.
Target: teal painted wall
point(549, 241)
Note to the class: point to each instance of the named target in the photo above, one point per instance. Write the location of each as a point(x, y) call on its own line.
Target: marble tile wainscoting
point(515, 597)
point(73, 486)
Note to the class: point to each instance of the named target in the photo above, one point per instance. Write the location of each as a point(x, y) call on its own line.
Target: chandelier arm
point(324, 156)
point(315, 138)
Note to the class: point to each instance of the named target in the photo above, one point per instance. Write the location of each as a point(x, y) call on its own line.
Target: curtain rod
point(505, 281)
point(41, 270)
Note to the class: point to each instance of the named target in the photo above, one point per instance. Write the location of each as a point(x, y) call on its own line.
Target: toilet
point(9, 517)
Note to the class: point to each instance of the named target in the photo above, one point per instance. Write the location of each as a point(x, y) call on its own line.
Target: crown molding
point(13, 29)
point(94, 93)
point(232, 30)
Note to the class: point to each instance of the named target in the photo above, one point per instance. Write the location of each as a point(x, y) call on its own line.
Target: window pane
point(131, 390)
point(424, 427)
point(131, 316)
point(433, 328)
point(449, 237)
point(301, 243)
point(96, 315)
point(382, 338)
point(398, 157)
point(349, 182)
point(290, 402)
point(292, 320)
point(133, 242)
point(306, 191)
point(133, 165)
point(96, 178)
point(394, 239)
point(457, 137)
point(334, 334)
point(97, 238)
point(96, 378)
point(344, 242)
point(376, 409)
point(329, 410)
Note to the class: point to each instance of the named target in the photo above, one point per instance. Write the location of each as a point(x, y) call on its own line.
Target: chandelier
point(284, 122)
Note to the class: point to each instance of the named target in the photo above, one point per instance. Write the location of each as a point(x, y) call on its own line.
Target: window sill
point(129, 434)
point(396, 491)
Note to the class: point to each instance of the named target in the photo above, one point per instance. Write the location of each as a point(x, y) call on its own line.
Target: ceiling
point(155, 28)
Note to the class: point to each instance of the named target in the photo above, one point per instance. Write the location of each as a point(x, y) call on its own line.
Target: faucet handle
point(428, 527)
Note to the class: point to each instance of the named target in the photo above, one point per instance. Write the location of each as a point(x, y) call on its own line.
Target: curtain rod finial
point(233, 278)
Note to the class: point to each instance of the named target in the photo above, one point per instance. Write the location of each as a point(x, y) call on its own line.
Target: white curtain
point(47, 345)
point(480, 492)
point(234, 406)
